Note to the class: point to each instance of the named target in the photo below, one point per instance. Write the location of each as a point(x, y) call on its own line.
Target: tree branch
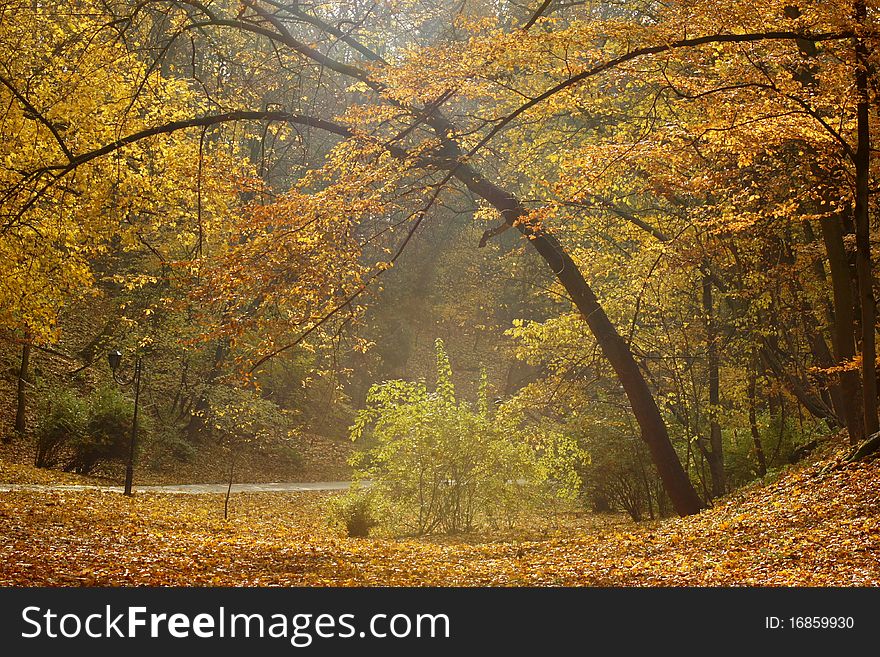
point(37, 115)
point(538, 12)
point(643, 52)
point(241, 115)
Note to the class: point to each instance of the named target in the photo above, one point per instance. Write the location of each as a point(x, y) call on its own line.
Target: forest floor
point(808, 527)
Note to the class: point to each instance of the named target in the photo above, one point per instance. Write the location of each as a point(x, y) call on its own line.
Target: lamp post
point(115, 359)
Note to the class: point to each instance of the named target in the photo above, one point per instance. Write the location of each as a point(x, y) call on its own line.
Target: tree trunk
point(229, 484)
point(653, 429)
point(844, 347)
point(715, 453)
point(863, 239)
point(21, 405)
point(753, 419)
point(855, 411)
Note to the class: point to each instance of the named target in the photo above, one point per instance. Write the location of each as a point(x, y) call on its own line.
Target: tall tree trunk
point(842, 334)
point(753, 419)
point(845, 302)
point(862, 229)
point(715, 453)
point(232, 458)
point(21, 405)
point(653, 429)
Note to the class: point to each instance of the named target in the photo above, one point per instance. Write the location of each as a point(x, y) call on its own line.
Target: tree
point(658, 132)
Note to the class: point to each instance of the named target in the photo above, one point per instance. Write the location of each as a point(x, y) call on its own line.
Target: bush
point(170, 445)
point(440, 465)
point(621, 476)
point(81, 433)
point(236, 416)
point(355, 511)
point(63, 417)
point(107, 434)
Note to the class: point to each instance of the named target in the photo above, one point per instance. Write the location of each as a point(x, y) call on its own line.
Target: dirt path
point(190, 489)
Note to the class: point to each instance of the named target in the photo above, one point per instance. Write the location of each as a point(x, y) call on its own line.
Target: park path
point(190, 489)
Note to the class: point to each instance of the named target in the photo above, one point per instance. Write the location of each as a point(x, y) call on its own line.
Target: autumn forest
point(439, 292)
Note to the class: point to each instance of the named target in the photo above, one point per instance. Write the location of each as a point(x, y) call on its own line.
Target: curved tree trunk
point(675, 480)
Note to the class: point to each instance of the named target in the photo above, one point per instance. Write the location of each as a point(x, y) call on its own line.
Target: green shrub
point(107, 433)
point(170, 445)
point(236, 416)
point(63, 417)
point(438, 465)
point(80, 433)
point(355, 511)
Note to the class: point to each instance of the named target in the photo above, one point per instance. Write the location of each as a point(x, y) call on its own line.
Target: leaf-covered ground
point(807, 528)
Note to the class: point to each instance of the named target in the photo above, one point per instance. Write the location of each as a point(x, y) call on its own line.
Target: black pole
point(129, 469)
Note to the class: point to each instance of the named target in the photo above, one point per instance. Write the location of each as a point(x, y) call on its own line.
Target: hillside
point(805, 528)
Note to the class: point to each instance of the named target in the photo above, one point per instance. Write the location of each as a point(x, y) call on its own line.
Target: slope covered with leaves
point(807, 528)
